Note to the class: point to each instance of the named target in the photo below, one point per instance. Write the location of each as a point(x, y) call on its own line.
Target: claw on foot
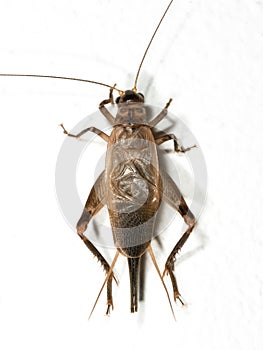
point(64, 130)
point(177, 296)
point(109, 307)
point(181, 149)
point(188, 148)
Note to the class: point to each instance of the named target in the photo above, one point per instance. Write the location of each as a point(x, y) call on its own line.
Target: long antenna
point(150, 42)
point(59, 77)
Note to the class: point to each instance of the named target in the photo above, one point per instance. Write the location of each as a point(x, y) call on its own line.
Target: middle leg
point(177, 147)
point(100, 133)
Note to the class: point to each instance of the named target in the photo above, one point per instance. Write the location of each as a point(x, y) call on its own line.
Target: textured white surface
point(208, 56)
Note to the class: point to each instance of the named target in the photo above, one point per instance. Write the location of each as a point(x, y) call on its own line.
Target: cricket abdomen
point(132, 208)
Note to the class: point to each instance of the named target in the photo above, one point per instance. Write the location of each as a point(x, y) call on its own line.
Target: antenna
point(59, 77)
point(150, 42)
point(92, 81)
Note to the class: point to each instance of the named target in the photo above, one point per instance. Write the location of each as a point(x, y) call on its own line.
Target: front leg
point(161, 115)
point(104, 110)
point(108, 100)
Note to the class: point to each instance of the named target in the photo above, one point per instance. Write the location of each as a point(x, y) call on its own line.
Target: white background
point(208, 57)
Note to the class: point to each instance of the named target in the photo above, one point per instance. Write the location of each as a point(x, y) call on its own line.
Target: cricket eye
point(117, 99)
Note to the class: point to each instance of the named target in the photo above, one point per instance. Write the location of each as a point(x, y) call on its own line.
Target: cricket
point(132, 186)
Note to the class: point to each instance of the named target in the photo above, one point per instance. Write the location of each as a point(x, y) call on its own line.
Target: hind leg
point(93, 205)
point(173, 196)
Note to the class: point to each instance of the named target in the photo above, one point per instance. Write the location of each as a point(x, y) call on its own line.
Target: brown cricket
point(132, 186)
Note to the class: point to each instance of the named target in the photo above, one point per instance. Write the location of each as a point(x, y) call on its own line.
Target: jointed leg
point(161, 115)
point(93, 205)
point(106, 114)
point(100, 133)
point(109, 295)
point(104, 110)
point(177, 148)
point(172, 195)
point(108, 100)
point(169, 265)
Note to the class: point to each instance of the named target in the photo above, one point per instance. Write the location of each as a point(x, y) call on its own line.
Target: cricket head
point(130, 96)
point(131, 109)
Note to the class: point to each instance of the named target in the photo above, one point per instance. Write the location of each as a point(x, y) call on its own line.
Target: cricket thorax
point(131, 113)
point(129, 134)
